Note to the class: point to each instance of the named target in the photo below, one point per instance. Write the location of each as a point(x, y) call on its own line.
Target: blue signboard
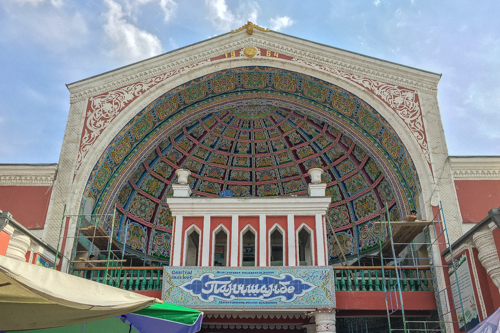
point(249, 287)
point(42, 262)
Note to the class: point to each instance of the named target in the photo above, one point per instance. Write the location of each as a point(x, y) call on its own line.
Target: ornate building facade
point(250, 113)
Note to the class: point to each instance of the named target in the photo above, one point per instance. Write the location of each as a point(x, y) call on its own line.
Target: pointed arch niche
point(277, 249)
point(305, 246)
point(220, 246)
point(192, 244)
point(248, 247)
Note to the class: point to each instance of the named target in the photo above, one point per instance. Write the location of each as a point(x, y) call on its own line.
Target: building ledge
point(248, 206)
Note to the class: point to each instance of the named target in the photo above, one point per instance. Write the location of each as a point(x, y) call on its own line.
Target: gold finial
point(249, 26)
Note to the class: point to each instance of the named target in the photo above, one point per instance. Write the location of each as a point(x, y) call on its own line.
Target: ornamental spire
point(249, 26)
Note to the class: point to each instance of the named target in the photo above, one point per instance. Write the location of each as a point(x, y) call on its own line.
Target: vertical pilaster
point(320, 240)
point(176, 261)
point(262, 240)
point(291, 240)
point(234, 240)
point(205, 253)
point(325, 321)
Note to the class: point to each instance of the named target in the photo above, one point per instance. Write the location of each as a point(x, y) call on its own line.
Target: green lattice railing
point(371, 278)
point(128, 278)
point(351, 278)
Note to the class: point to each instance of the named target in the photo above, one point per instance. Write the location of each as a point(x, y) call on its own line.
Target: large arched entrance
point(255, 131)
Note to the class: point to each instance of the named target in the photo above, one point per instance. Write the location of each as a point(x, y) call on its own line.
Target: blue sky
point(46, 44)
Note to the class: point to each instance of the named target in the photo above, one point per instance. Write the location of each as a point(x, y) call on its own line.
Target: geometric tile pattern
point(255, 148)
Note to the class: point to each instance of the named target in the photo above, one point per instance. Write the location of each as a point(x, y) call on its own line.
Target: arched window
point(220, 247)
point(276, 247)
point(305, 247)
point(248, 248)
point(192, 248)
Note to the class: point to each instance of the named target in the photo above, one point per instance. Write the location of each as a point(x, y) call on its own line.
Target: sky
point(46, 44)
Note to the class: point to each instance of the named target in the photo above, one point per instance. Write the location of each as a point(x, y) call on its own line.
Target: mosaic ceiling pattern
point(256, 132)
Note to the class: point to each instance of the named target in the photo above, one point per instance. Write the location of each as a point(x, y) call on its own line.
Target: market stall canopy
point(490, 324)
point(34, 297)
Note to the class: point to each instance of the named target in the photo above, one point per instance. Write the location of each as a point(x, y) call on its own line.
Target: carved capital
point(488, 256)
point(18, 246)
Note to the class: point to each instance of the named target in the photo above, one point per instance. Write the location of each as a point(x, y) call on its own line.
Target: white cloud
point(279, 23)
point(221, 16)
point(128, 41)
point(376, 2)
point(224, 19)
point(55, 3)
point(169, 8)
point(53, 28)
point(31, 2)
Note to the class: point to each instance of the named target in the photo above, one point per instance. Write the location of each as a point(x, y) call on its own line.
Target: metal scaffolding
point(115, 263)
point(394, 293)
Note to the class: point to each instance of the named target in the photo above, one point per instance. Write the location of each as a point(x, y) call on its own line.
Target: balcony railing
point(128, 278)
point(352, 278)
point(370, 278)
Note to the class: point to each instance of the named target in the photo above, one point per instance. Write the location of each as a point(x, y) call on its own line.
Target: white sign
point(469, 315)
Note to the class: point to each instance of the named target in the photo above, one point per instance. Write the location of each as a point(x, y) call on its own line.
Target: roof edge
point(176, 59)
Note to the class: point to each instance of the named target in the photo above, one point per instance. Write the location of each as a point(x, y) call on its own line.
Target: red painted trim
point(4, 242)
point(439, 228)
point(491, 297)
point(149, 293)
point(63, 242)
point(381, 313)
point(27, 256)
point(375, 300)
point(172, 246)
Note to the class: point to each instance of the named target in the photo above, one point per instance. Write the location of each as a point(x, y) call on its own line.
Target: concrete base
point(316, 190)
point(181, 190)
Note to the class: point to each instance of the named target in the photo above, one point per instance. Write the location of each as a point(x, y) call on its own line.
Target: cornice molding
point(277, 206)
point(306, 51)
point(27, 175)
point(257, 315)
point(253, 326)
point(475, 168)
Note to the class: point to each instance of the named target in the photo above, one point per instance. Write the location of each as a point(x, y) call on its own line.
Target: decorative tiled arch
point(256, 131)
